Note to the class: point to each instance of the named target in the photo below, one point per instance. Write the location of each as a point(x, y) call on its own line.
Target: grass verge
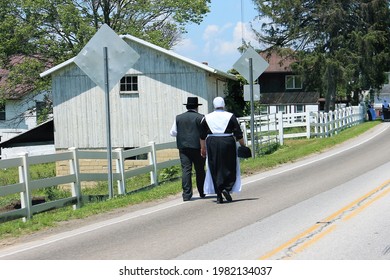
point(291, 150)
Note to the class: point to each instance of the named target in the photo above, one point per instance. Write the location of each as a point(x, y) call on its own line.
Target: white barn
point(143, 104)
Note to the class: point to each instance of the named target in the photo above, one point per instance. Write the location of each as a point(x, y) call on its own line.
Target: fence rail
point(268, 129)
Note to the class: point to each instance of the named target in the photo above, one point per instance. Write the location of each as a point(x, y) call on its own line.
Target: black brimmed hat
point(192, 102)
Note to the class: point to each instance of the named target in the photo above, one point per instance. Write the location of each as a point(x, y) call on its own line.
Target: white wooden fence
point(277, 127)
point(26, 185)
point(269, 128)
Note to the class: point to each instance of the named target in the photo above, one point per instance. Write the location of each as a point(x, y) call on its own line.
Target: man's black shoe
point(227, 195)
point(219, 199)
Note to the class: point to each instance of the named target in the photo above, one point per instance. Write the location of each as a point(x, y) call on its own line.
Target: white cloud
point(249, 36)
point(218, 44)
point(210, 32)
point(226, 39)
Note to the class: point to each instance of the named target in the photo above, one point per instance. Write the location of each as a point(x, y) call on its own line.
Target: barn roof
point(281, 98)
point(277, 62)
point(157, 48)
point(42, 134)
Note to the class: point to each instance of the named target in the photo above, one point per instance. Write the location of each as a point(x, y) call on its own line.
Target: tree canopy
point(342, 47)
point(52, 31)
point(60, 28)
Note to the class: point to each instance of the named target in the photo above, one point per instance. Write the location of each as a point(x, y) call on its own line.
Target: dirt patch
point(17, 204)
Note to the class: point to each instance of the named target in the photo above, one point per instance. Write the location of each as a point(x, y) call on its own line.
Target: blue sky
point(217, 38)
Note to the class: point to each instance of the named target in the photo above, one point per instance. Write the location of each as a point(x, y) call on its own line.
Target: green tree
point(52, 31)
point(341, 46)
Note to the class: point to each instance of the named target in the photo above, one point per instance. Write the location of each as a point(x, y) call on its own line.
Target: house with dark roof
point(19, 110)
point(282, 90)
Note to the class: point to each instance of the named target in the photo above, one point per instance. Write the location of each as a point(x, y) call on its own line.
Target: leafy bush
point(169, 173)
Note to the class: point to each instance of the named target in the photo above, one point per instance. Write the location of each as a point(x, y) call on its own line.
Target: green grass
point(289, 152)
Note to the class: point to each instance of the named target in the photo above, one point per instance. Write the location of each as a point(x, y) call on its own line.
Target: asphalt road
point(333, 205)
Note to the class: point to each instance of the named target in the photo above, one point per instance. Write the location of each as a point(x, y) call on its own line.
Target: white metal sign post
point(106, 46)
point(251, 65)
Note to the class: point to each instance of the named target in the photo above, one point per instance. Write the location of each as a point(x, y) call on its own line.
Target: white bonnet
point(219, 102)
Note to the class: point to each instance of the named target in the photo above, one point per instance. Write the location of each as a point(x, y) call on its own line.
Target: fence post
point(332, 122)
point(74, 169)
point(280, 127)
point(344, 116)
point(244, 130)
point(121, 169)
point(326, 124)
point(322, 124)
point(258, 138)
point(315, 123)
point(268, 129)
point(153, 161)
point(24, 177)
point(308, 125)
point(355, 116)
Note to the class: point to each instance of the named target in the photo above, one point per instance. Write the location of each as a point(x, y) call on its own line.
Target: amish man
point(186, 129)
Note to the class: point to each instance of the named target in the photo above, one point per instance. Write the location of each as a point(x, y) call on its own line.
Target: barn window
point(2, 111)
point(129, 84)
point(293, 82)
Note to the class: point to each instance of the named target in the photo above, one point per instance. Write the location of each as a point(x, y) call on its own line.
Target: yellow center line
point(321, 229)
point(291, 242)
point(355, 202)
point(314, 239)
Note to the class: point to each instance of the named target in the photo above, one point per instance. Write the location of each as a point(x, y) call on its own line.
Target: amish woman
point(219, 134)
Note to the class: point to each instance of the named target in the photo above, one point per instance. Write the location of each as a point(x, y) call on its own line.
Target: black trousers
point(189, 157)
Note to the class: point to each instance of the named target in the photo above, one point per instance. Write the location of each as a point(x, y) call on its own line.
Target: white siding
point(164, 83)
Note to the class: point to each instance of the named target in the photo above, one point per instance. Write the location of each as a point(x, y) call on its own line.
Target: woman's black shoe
point(227, 195)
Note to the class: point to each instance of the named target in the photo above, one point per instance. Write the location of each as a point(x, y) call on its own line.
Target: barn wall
point(164, 85)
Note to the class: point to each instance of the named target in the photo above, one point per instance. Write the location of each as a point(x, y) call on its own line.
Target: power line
point(242, 21)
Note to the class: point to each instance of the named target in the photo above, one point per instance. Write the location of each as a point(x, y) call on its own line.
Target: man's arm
point(173, 131)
